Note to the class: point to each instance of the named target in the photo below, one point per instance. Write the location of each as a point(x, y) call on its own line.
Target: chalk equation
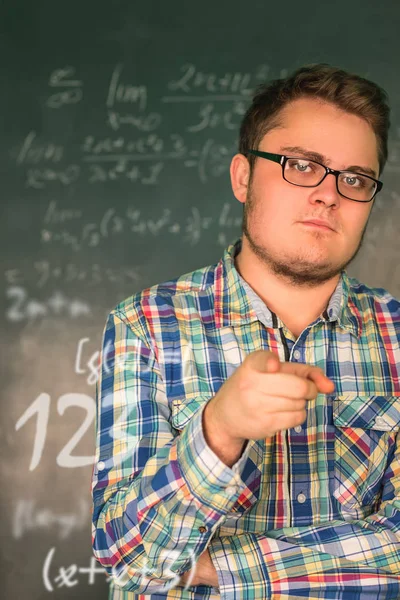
point(114, 159)
point(143, 144)
point(58, 577)
point(22, 308)
point(77, 234)
point(40, 273)
point(145, 147)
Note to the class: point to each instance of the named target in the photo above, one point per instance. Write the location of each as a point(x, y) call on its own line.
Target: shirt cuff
point(240, 567)
point(207, 476)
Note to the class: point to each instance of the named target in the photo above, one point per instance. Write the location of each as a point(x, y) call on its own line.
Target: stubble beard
point(298, 272)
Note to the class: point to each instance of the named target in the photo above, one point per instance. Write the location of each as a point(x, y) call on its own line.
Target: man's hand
point(262, 397)
point(204, 572)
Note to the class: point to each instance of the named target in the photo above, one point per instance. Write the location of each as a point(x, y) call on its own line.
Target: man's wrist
point(202, 572)
point(227, 448)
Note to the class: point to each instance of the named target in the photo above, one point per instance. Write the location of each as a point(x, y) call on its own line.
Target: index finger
point(312, 372)
point(323, 383)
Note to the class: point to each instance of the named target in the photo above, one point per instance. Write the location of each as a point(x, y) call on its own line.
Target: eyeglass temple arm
point(274, 157)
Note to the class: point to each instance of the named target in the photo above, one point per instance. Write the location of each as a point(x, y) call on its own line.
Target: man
point(248, 412)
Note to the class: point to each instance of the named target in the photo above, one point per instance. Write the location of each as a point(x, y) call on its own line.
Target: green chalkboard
point(119, 121)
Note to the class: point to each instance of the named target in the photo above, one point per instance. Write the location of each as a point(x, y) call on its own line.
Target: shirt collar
point(233, 305)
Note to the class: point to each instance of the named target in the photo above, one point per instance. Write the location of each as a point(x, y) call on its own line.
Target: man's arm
point(337, 559)
point(157, 496)
point(333, 560)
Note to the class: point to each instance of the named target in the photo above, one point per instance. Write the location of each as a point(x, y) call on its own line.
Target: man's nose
point(327, 191)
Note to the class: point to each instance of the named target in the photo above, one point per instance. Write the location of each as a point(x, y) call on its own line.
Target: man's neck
point(297, 307)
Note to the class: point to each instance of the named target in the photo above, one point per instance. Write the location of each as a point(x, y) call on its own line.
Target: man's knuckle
point(299, 417)
point(303, 390)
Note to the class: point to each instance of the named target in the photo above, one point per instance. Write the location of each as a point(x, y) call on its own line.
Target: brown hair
point(347, 91)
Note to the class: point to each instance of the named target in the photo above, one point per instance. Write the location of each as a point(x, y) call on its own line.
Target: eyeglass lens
point(309, 174)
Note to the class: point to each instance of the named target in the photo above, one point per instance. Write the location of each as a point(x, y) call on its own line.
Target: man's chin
point(305, 271)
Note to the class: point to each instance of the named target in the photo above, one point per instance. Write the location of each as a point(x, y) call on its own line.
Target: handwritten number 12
point(41, 408)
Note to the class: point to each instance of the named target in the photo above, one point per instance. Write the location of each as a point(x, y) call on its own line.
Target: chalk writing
point(70, 89)
point(38, 178)
point(40, 408)
point(33, 152)
point(194, 80)
point(55, 215)
point(113, 224)
point(43, 272)
point(145, 175)
point(121, 572)
point(92, 366)
point(211, 158)
point(28, 517)
point(209, 117)
point(68, 577)
point(146, 122)
point(23, 308)
point(125, 93)
point(153, 143)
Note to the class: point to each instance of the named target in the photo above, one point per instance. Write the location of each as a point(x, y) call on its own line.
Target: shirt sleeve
point(158, 496)
point(338, 559)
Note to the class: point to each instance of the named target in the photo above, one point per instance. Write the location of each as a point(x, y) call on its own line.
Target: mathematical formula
point(116, 223)
point(58, 577)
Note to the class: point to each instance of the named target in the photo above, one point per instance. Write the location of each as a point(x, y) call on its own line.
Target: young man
point(248, 412)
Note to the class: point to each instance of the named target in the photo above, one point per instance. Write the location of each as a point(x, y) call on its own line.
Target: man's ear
point(240, 175)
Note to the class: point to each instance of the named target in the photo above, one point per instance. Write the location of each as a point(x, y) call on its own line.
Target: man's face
point(274, 209)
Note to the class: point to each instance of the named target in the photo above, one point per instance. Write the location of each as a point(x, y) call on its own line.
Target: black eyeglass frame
point(282, 159)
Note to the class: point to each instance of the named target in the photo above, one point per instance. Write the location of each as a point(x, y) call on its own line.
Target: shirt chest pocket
point(365, 434)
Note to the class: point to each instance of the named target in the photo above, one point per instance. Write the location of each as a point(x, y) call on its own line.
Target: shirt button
point(231, 490)
point(380, 421)
point(298, 429)
point(301, 498)
point(202, 529)
point(297, 354)
point(101, 465)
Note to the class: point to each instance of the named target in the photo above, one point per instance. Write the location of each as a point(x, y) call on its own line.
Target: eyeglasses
point(308, 173)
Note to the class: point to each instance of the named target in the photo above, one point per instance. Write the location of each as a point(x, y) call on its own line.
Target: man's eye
point(299, 165)
point(354, 181)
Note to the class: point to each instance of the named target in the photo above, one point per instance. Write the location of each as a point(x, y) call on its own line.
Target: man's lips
point(320, 223)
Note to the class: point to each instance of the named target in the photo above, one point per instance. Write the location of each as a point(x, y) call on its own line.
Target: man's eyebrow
point(299, 151)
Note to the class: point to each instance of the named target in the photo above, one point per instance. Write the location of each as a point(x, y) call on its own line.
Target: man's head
point(323, 110)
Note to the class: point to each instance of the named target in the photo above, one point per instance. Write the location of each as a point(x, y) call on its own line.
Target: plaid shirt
point(313, 512)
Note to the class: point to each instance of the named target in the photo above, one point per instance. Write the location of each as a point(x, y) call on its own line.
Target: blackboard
point(119, 120)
